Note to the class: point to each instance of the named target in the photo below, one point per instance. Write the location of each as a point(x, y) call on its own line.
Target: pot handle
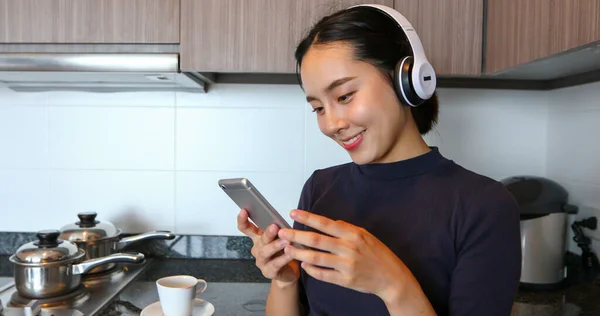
point(157, 234)
point(116, 257)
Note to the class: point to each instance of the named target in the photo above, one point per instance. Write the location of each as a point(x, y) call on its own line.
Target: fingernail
point(283, 243)
point(273, 229)
point(293, 213)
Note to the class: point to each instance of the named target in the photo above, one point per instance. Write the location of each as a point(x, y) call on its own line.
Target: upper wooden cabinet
point(517, 32)
point(236, 36)
point(574, 23)
point(250, 36)
point(89, 21)
point(308, 12)
point(451, 32)
point(520, 32)
point(452, 35)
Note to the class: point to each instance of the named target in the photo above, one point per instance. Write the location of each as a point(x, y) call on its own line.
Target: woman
point(401, 230)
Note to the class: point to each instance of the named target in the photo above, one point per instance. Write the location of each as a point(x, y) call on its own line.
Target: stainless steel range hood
point(97, 72)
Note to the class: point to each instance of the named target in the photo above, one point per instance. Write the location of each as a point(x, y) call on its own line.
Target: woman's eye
point(345, 97)
point(317, 110)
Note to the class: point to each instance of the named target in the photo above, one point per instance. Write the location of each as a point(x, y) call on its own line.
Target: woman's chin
point(361, 158)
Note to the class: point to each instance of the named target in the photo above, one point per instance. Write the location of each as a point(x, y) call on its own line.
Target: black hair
point(376, 39)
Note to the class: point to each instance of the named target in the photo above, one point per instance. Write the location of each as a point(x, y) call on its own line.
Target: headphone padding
point(403, 82)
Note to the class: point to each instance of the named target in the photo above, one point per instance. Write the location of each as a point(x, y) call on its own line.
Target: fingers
point(269, 234)
point(245, 226)
point(313, 240)
point(266, 252)
point(317, 258)
point(326, 275)
point(321, 223)
point(273, 267)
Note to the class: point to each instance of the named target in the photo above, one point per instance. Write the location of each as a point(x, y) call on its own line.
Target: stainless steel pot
point(102, 238)
point(51, 267)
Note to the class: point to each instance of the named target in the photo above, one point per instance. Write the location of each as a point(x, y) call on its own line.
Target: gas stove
point(95, 292)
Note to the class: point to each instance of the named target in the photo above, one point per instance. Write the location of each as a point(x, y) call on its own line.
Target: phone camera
point(223, 187)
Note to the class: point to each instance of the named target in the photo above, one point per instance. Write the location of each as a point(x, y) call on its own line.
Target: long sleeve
point(485, 280)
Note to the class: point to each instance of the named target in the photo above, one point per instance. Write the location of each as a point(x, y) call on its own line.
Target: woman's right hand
point(268, 251)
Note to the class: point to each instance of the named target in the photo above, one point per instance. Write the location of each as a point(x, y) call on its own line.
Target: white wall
point(574, 149)
point(152, 160)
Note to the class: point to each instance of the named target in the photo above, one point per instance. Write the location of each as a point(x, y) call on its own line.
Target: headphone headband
point(422, 75)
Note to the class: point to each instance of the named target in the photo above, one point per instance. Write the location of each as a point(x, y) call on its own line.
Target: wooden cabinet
point(451, 32)
point(309, 12)
point(574, 23)
point(249, 36)
point(517, 32)
point(520, 32)
point(410, 10)
point(236, 36)
point(260, 36)
point(89, 21)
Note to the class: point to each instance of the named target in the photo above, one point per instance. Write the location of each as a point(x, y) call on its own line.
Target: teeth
point(352, 140)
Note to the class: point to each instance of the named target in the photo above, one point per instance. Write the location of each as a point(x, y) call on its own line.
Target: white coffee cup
point(177, 293)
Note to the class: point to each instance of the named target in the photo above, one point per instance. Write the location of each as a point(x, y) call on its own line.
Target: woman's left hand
point(358, 260)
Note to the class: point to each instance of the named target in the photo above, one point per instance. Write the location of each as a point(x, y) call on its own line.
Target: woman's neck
point(409, 144)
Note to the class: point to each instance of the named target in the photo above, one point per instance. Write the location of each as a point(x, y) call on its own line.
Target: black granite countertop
point(576, 300)
point(226, 263)
point(580, 295)
point(240, 282)
point(235, 287)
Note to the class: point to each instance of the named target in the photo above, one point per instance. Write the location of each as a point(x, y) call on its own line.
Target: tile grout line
point(151, 170)
point(548, 97)
point(49, 200)
point(175, 162)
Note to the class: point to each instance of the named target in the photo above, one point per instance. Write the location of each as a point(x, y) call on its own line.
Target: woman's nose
point(335, 122)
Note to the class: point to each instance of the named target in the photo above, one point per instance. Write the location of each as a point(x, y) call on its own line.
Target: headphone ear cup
point(403, 82)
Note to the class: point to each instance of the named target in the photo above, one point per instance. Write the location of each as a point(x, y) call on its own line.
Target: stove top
point(95, 292)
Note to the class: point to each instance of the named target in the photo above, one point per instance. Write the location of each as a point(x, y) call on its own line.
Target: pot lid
point(48, 248)
point(88, 229)
point(538, 195)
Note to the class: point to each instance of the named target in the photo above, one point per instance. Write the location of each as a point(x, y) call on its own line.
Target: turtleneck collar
point(404, 168)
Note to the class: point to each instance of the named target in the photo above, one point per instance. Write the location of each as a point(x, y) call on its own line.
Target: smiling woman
point(400, 230)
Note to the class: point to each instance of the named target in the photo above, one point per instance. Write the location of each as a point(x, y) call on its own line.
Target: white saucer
point(201, 308)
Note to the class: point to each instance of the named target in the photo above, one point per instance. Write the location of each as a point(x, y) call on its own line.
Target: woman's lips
point(353, 142)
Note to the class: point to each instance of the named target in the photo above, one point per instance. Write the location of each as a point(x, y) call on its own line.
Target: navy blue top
point(457, 231)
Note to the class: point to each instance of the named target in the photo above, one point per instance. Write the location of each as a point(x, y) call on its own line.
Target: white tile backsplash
point(10, 97)
point(151, 160)
point(577, 98)
point(485, 132)
point(24, 199)
point(23, 137)
point(203, 208)
point(135, 201)
point(240, 139)
point(574, 150)
point(120, 99)
point(121, 138)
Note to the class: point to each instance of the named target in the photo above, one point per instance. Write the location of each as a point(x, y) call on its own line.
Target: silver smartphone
point(260, 211)
point(247, 196)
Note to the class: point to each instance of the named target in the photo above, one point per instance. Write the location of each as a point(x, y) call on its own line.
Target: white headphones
point(414, 78)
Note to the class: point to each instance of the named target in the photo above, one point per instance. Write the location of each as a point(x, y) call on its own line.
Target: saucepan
point(102, 238)
point(51, 267)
